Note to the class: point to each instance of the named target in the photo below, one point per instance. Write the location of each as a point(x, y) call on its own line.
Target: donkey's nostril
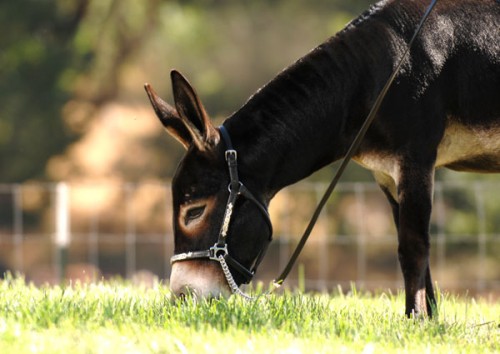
point(179, 297)
point(184, 292)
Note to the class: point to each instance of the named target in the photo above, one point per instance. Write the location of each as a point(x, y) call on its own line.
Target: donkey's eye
point(194, 213)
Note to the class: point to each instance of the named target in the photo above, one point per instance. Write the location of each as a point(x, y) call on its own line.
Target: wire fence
point(52, 232)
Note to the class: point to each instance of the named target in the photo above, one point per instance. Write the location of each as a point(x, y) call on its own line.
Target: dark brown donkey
point(442, 111)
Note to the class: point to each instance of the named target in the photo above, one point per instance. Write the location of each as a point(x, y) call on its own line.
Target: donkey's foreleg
point(415, 205)
point(411, 263)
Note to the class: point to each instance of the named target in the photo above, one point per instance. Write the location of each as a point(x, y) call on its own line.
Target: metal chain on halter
point(230, 281)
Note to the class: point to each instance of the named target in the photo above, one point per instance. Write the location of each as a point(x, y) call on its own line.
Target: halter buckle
point(231, 155)
point(216, 251)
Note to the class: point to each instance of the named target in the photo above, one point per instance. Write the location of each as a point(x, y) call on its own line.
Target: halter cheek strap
point(219, 252)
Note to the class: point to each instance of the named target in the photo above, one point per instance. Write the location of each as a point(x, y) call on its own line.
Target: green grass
point(117, 317)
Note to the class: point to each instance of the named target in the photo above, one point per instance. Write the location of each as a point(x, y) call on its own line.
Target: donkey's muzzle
point(198, 279)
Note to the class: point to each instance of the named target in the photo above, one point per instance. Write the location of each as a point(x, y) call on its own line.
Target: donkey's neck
point(306, 117)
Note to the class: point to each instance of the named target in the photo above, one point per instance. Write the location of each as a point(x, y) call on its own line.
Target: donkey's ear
point(169, 118)
point(192, 113)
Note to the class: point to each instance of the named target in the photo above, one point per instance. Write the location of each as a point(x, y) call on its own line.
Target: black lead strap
point(350, 153)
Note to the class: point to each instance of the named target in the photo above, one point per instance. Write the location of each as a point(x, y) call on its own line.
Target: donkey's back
point(447, 97)
point(462, 44)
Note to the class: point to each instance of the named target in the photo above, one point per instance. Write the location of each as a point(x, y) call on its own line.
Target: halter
point(219, 252)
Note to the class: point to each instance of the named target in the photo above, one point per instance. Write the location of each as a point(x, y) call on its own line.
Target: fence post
point(94, 240)
point(63, 234)
point(130, 237)
point(323, 246)
point(18, 228)
point(481, 217)
point(359, 191)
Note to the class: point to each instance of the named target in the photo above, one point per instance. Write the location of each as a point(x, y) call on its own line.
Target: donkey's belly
point(461, 149)
point(473, 149)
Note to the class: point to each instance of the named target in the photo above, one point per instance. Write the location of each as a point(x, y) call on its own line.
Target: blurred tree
point(35, 53)
point(112, 32)
point(61, 61)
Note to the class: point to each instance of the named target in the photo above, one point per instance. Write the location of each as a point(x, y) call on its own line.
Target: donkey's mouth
point(198, 279)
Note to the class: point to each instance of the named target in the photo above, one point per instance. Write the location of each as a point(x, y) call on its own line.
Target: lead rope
point(352, 149)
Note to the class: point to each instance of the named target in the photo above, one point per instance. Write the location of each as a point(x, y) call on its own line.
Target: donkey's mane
point(330, 82)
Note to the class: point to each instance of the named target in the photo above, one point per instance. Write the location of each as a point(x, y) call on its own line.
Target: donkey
point(442, 111)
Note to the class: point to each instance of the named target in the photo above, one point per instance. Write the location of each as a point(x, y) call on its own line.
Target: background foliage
point(62, 63)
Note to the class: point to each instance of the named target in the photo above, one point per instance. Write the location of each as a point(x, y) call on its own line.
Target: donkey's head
point(215, 216)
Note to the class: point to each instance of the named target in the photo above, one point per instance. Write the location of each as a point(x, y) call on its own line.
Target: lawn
point(117, 317)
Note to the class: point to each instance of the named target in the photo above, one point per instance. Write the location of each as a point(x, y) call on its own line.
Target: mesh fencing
point(52, 232)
